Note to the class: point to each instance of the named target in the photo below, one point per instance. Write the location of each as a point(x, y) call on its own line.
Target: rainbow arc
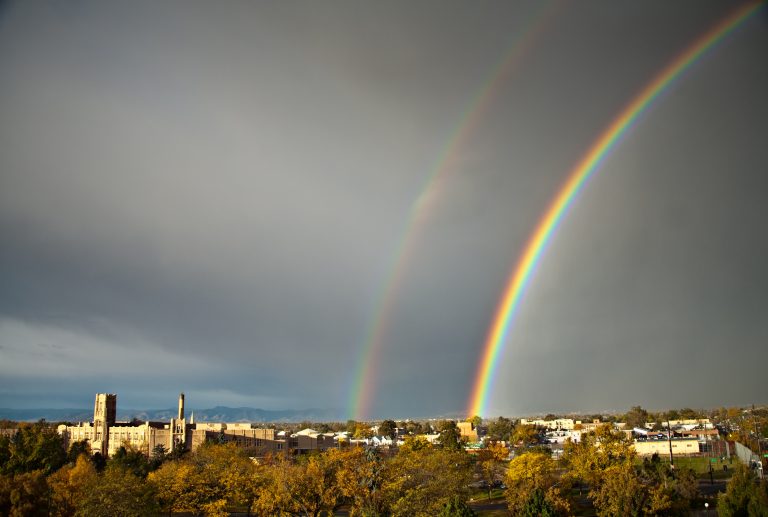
point(586, 167)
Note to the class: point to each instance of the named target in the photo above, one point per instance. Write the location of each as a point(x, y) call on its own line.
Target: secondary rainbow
point(364, 381)
point(584, 169)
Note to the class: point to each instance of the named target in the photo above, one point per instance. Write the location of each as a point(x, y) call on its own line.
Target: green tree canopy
point(388, 428)
point(33, 447)
point(501, 429)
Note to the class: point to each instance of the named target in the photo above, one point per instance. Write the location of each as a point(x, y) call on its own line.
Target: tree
point(69, 485)
point(359, 479)
point(476, 421)
point(314, 484)
point(362, 431)
point(211, 479)
point(158, 456)
point(421, 482)
point(222, 471)
point(175, 487)
point(77, 449)
point(531, 483)
point(117, 493)
point(490, 462)
point(689, 414)
point(275, 496)
point(743, 496)
point(501, 429)
point(525, 435)
point(388, 428)
point(636, 417)
point(537, 505)
point(243, 481)
point(587, 460)
point(415, 443)
point(24, 494)
point(450, 436)
point(412, 427)
point(457, 508)
point(620, 492)
point(132, 459)
point(33, 447)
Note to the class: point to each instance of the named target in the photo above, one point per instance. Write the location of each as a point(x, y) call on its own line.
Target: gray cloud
point(209, 199)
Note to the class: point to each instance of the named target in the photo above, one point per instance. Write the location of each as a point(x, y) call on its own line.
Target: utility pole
point(669, 438)
point(759, 446)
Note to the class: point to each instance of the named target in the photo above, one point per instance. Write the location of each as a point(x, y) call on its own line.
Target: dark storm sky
point(207, 197)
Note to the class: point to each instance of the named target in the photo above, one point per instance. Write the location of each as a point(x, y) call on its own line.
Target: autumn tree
point(210, 480)
point(525, 435)
point(309, 486)
point(620, 492)
point(414, 443)
point(274, 497)
point(175, 485)
point(531, 485)
point(421, 481)
point(117, 492)
point(673, 489)
point(222, 472)
point(362, 430)
point(490, 461)
point(587, 460)
point(744, 495)
point(70, 484)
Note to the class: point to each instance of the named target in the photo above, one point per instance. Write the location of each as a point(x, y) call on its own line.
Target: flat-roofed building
point(558, 424)
point(680, 446)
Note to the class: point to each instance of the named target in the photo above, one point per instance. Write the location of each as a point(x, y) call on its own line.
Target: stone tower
point(104, 414)
point(178, 427)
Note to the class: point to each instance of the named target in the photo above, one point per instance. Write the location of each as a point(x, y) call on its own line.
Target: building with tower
point(106, 435)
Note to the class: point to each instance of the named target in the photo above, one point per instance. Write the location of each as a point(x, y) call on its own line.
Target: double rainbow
point(364, 381)
point(586, 167)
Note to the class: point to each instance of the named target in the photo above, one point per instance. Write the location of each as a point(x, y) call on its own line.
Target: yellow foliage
point(69, 484)
point(530, 472)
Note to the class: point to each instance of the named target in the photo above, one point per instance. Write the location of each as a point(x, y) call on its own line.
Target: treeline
point(600, 475)
point(39, 478)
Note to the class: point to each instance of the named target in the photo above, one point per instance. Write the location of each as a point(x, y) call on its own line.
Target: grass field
point(700, 465)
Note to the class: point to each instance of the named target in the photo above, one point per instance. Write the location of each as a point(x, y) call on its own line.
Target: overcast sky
point(207, 197)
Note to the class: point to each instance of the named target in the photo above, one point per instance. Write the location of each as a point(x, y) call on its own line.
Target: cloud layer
point(208, 199)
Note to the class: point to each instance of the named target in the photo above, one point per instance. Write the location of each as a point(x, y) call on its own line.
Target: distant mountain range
point(216, 414)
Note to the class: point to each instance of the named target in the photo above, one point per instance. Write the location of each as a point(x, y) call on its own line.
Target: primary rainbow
point(590, 162)
point(364, 380)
